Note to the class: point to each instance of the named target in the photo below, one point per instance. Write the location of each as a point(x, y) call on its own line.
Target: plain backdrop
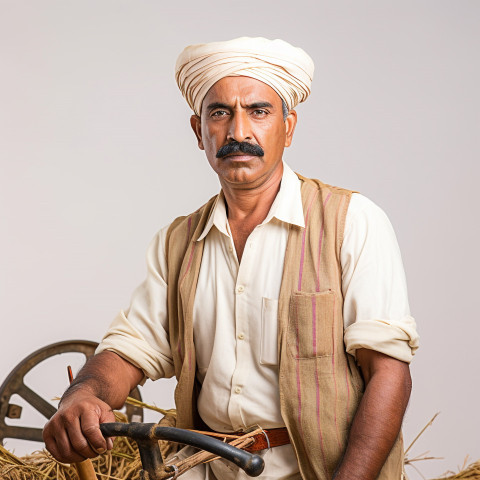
point(97, 154)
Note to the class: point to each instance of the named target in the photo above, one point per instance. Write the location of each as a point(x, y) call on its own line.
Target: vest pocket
point(268, 342)
point(311, 324)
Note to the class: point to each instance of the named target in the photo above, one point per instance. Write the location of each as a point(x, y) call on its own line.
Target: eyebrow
point(215, 105)
point(260, 105)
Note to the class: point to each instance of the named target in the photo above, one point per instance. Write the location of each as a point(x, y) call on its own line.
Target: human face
point(242, 109)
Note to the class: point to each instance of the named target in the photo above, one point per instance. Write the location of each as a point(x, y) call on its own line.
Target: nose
point(239, 128)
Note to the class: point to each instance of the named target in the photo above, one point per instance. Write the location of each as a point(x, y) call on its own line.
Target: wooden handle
point(85, 470)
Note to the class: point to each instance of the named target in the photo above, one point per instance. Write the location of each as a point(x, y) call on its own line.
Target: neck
point(252, 205)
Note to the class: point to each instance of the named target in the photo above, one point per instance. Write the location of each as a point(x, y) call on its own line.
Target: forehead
point(247, 90)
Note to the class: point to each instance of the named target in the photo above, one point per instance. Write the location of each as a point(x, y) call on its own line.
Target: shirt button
point(240, 289)
point(230, 248)
point(238, 390)
point(241, 336)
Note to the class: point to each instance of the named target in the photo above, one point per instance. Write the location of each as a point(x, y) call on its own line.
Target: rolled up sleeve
point(376, 310)
point(140, 333)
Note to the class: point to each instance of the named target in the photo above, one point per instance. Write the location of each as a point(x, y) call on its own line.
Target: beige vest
point(320, 384)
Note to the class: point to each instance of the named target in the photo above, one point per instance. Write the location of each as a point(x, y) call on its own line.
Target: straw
point(123, 461)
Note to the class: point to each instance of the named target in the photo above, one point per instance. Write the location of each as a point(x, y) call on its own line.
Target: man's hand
point(379, 416)
point(73, 433)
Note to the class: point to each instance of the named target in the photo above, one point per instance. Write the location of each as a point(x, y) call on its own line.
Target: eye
point(259, 112)
point(219, 113)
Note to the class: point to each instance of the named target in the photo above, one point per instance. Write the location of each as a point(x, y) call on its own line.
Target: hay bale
point(122, 462)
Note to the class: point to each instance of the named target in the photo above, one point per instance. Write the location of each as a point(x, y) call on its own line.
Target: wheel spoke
point(23, 433)
point(36, 401)
point(13, 384)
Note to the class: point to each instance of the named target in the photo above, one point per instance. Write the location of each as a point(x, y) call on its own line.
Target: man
point(264, 300)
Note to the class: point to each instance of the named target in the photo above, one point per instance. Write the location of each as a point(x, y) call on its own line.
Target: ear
point(290, 124)
point(196, 125)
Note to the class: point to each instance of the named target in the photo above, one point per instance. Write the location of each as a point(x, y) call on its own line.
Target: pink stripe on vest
point(299, 391)
point(317, 393)
point(320, 243)
point(302, 257)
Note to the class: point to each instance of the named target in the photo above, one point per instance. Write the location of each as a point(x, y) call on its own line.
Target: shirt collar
point(287, 206)
point(218, 217)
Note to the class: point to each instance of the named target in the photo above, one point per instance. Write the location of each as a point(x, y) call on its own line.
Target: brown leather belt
point(268, 438)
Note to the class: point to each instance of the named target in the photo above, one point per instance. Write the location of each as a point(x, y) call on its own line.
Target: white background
point(97, 154)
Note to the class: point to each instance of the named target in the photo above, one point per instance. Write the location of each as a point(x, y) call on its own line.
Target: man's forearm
point(106, 376)
point(378, 420)
point(73, 433)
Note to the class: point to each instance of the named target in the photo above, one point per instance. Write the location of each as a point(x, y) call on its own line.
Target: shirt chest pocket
point(269, 333)
point(311, 328)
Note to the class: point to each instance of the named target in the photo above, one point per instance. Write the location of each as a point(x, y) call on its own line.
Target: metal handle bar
point(147, 434)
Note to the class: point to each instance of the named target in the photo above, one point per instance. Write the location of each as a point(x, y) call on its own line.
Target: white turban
point(287, 69)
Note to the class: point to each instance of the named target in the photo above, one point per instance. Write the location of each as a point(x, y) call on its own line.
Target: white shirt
point(235, 310)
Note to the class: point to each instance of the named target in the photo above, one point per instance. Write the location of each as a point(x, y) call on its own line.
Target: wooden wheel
point(14, 384)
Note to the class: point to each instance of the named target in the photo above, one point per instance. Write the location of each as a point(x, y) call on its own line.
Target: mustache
point(244, 147)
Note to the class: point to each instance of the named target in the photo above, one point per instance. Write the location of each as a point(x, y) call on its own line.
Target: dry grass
point(123, 461)
point(470, 472)
point(467, 471)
